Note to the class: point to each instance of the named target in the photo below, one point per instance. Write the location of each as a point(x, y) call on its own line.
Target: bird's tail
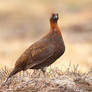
point(12, 73)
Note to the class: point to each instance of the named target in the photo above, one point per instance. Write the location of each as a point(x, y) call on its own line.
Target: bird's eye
point(54, 17)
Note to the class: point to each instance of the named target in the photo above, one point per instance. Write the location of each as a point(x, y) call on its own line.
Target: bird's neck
point(54, 27)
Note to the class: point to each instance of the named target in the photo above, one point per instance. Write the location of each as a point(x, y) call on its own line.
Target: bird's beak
point(54, 17)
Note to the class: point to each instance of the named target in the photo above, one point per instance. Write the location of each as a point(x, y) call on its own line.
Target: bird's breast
point(59, 47)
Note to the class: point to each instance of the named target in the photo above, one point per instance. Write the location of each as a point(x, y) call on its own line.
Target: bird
point(44, 52)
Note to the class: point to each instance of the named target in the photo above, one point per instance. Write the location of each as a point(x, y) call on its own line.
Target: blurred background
point(23, 22)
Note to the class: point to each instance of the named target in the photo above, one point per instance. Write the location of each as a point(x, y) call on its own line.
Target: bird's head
point(54, 17)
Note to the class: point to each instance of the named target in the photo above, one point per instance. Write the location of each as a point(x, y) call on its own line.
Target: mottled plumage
point(43, 52)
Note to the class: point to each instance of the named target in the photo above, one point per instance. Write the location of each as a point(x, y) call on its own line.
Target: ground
point(71, 80)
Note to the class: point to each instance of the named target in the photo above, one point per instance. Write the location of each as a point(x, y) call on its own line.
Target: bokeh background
point(23, 22)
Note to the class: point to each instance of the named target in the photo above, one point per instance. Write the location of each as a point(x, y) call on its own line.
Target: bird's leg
point(44, 71)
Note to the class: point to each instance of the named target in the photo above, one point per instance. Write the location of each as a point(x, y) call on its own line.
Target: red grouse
point(43, 52)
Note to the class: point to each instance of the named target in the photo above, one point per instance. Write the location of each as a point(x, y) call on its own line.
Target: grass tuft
point(55, 80)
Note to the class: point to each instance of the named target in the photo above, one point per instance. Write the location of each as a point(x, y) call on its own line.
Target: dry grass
point(19, 28)
point(54, 80)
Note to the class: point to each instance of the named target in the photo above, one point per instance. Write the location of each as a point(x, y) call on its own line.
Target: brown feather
point(43, 52)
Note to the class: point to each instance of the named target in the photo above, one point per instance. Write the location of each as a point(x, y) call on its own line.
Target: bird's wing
point(39, 54)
